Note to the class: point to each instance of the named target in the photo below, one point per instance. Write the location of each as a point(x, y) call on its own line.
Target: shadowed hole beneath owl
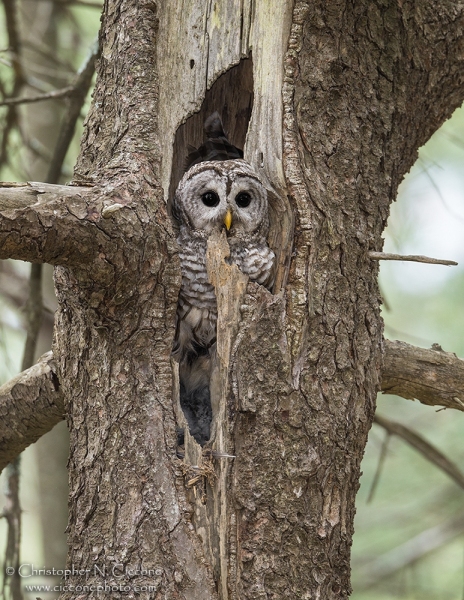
point(196, 406)
point(194, 393)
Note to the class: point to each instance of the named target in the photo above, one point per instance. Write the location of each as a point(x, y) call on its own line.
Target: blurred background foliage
point(409, 526)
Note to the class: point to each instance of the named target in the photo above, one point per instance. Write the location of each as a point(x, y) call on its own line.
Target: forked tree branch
point(30, 405)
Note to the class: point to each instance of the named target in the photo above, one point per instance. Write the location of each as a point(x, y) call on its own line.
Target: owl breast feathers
point(214, 195)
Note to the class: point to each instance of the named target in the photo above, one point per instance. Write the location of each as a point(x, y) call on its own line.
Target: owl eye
point(210, 199)
point(243, 199)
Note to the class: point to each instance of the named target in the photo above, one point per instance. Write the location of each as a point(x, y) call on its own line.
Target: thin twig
point(78, 3)
point(53, 95)
point(411, 257)
point(427, 450)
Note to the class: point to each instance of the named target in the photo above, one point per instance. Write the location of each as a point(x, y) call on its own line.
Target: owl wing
point(256, 261)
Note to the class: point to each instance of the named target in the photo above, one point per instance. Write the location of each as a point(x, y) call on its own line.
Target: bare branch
point(30, 405)
point(411, 258)
point(98, 5)
point(53, 95)
point(433, 377)
point(427, 450)
point(78, 90)
point(410, 552)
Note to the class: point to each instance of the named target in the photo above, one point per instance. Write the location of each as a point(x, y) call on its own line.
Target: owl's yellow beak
point(228, 219)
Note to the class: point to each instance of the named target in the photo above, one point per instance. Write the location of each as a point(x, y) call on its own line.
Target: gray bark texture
point(335, 99)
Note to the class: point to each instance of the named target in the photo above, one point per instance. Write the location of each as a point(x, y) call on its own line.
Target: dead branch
point(79, 3)
point(420, 444)
point(411, 258)
point(433, 377)
point(30, 405)
point(410, 552)
point(53, 95)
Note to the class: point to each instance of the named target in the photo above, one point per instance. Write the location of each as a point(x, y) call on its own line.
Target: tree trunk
point(333, 101)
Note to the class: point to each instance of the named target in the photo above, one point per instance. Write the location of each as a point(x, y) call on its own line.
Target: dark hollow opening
point(232, 96)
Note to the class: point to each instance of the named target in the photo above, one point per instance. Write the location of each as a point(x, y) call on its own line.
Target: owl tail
point(216, 145)
point(213, 126)
point(195, 399)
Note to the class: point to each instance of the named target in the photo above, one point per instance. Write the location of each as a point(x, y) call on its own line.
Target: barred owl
point(219, 190)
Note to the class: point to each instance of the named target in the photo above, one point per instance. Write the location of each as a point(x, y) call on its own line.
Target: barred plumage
point(221, 192)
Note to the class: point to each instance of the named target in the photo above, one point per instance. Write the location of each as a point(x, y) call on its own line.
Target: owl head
point(220, 190)
point(226, 194)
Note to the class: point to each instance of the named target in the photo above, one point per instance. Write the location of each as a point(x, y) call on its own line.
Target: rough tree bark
point(340, 97)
